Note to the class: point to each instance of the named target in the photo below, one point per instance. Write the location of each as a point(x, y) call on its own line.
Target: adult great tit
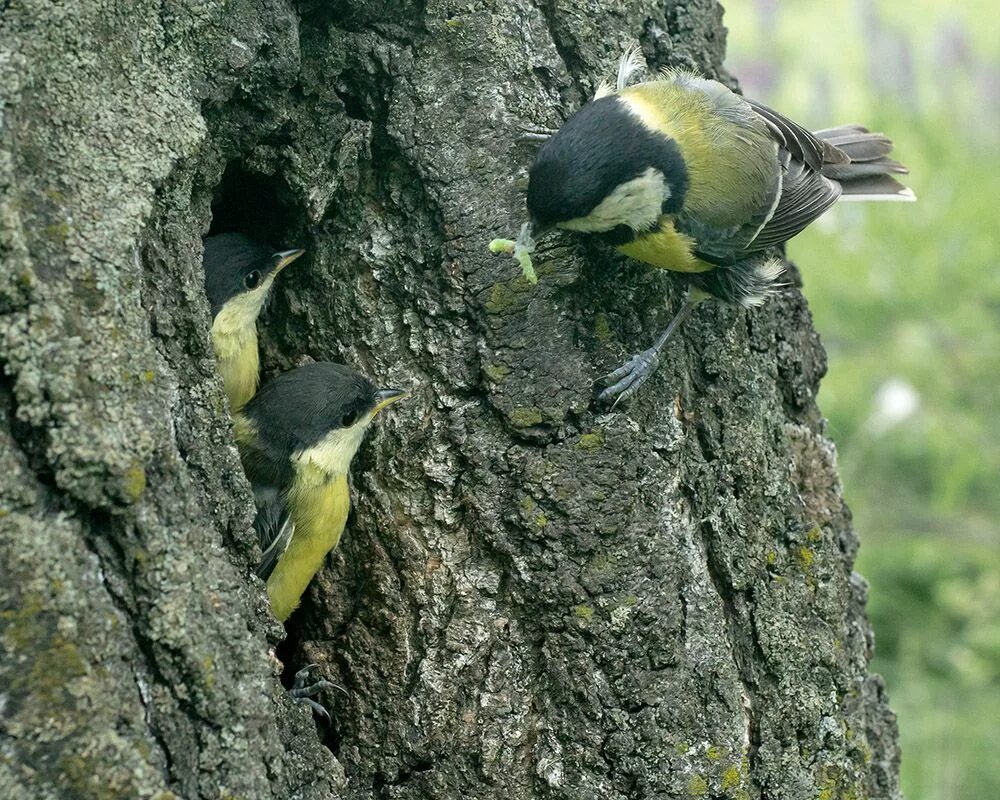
point(685, 175)
point(297, 437)
point(239, 273)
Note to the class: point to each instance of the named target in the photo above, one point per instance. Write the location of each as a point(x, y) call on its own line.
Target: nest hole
point(258, 206)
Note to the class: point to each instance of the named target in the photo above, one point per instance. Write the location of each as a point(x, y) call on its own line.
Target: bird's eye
point(349, 419)
point(252, 280)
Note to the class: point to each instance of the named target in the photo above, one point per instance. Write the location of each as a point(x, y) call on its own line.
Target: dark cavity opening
point(258, 206)
point(353, 106)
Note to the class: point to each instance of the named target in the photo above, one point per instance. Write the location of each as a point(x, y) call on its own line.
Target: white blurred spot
point(895, 402)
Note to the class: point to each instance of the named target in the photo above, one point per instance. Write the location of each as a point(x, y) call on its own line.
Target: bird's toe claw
point(304, 689)
point(628, 378)
point(535, 133)
point(318, 708)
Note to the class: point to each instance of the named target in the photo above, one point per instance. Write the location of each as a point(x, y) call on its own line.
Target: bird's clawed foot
point(535, 133)
point(303, 691)
point(626, 380)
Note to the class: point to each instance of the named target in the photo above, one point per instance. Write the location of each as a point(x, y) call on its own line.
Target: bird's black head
point(235, 264)
point(603, 169)
point(320, 409)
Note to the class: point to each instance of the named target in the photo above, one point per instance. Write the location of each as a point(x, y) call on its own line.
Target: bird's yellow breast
point(666, 248)
point(240, 375)
point(318, 506)
point(234, 340)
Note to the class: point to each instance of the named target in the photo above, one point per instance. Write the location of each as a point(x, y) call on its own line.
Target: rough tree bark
point(534, 599)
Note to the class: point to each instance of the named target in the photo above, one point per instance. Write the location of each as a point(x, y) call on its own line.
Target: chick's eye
point(252, 280)
point(349, 419)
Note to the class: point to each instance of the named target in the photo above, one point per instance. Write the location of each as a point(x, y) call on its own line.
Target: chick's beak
point(386, 397)
point(286, 257)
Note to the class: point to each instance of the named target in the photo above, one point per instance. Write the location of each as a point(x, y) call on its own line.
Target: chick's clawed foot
point(303, 690)
point(626, 380)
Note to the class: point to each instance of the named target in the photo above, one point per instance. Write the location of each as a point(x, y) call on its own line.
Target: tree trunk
point(533, 598)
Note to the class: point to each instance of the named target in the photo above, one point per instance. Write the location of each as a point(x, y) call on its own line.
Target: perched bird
point(297, 437)
point(685, 175)
point(239, 273)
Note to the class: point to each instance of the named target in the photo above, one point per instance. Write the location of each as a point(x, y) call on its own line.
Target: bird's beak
point(386, 397)
point(286, 257)
point(538, 230)
point(530, 232)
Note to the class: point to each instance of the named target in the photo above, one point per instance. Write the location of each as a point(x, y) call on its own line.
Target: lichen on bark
point(534, 598)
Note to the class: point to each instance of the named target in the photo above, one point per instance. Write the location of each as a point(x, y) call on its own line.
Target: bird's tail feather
point(868, 176)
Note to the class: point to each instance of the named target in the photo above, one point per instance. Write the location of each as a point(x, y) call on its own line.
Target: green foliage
point(907, 299)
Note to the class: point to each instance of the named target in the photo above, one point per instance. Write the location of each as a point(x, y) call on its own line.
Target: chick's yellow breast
point(234, 339)
point(319, 506)
point(240, 375)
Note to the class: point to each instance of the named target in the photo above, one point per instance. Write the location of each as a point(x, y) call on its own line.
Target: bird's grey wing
point(803, 145)
point(269, 475)
point(278, 546)
point(801, 196)
point(805, 191)
point(271, 514)
point(805, 195)
point(727, 246)
point(273, 526)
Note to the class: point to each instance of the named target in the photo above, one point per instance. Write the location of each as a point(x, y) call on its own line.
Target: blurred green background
point(907, 299)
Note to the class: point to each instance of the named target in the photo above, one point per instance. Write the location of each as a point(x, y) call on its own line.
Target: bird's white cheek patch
point(636, 203)
point(238, 318)
point(333, 454)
